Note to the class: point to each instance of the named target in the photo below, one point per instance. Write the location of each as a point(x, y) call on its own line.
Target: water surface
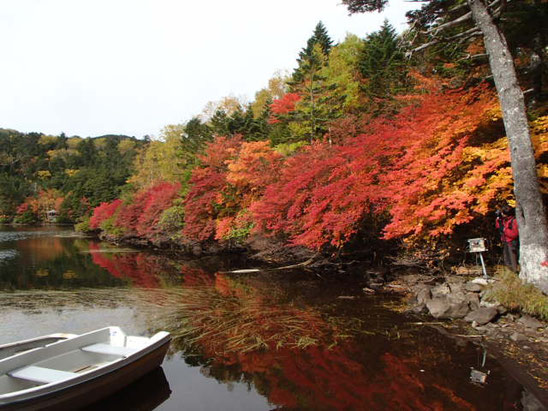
point(269, 340)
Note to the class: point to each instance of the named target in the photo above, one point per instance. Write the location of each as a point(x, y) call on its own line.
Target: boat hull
point(89, 391)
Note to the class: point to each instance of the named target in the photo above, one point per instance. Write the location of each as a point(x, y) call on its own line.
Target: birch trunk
point(530, 214)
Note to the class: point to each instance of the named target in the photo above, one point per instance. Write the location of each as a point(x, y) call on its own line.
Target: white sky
point(92, 67)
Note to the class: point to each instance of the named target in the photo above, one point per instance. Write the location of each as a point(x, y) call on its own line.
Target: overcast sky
point(92, 67)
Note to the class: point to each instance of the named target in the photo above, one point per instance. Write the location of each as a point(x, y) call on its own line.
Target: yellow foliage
point(43, 174)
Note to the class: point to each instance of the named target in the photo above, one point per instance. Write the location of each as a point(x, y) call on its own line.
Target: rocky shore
point(462, 309)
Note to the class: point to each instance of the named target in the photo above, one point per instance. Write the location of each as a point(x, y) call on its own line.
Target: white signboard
point(477, 245)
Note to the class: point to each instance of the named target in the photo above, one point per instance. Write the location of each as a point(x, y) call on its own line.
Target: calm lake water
point(274, 340)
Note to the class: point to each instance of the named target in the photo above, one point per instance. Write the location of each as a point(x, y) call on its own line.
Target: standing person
point(509, 233)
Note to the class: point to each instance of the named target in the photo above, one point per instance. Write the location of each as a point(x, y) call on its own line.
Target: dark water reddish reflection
point(273, 340)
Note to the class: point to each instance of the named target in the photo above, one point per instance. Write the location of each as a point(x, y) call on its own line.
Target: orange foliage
point(42, 202)
point(438, 164)
point(235, 174)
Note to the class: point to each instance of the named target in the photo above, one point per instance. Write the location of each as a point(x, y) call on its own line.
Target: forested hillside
point(373, 142)
point(40, 173)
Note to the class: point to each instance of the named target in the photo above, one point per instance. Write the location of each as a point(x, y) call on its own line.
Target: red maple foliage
point(103, 212)
point(140, 268)
point(142, 214)
point(158, 199)
point(202, 204)
point(419, 166)
point(283, 106)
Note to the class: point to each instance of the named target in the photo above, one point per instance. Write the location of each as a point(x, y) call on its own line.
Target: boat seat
point(110, 349)
point(41, 374)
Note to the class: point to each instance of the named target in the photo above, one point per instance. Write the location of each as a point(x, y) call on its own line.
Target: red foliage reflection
point(140, 268)
point(293, 375)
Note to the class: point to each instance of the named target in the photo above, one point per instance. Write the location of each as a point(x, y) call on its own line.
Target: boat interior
point(63, 359)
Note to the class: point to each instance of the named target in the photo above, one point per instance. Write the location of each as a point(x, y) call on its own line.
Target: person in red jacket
point(509, 233)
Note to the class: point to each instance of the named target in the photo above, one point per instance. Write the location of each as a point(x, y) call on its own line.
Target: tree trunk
point(533, 231)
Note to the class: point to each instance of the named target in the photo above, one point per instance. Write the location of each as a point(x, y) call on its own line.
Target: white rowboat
point(66, 371)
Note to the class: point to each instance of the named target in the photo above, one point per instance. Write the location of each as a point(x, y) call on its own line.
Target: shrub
point(109, 227)
point(172, 219)
point(83, 226)
point(515, 295)
point(103, 212)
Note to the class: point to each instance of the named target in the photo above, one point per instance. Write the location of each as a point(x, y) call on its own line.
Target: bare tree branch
point(452, 23)
point(465, 35)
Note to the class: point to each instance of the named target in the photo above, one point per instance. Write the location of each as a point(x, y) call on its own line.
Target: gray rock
point(502, 309)
point(479, 328)
point(510, 317)
point(473, 300)
point(530, 322)
point(440, 290)
point(473, 287)
point(456, 286)
point(517, 337)
point(530, 402)
point(418, 308)
point(423, 295)
point(482, 315)
point(443, 307)
point(438, 307)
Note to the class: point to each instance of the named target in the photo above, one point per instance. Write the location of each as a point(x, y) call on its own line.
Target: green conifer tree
point(307, 56)
point(382, 64)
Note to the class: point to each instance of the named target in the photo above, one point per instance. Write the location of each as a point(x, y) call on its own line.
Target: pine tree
point(318, 104)
point(382, 64)
point(307, 56)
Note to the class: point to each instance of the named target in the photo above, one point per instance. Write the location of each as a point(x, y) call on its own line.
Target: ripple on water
point(7, 236)
point(7, 255)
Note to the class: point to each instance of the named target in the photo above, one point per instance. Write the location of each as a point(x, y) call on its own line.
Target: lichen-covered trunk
point(530, 214)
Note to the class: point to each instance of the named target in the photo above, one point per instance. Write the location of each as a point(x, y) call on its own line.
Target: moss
point(509, 291)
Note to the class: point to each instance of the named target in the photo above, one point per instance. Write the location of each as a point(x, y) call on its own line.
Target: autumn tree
point(160, 160)
point(277, 87)
point(342, 74)
point(530, 211)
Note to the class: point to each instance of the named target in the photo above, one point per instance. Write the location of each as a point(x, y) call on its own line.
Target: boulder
point(502, 309)
point(473, 300)
point(418, 308)
point(440, 290)
point(473, 287)
point(482, 315)
point(423, 295)
point(455, 283)
point(517, 337)
point(444, 307)
point(530, 322)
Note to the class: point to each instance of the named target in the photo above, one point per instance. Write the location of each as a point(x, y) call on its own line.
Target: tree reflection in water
point(309, 357)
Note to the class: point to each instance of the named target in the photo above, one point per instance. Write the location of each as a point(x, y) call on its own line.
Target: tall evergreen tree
point(318, 104)
point(307, 55)
point(382, 64)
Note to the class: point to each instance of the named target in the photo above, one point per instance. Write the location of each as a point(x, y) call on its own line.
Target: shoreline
point(518, 342)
